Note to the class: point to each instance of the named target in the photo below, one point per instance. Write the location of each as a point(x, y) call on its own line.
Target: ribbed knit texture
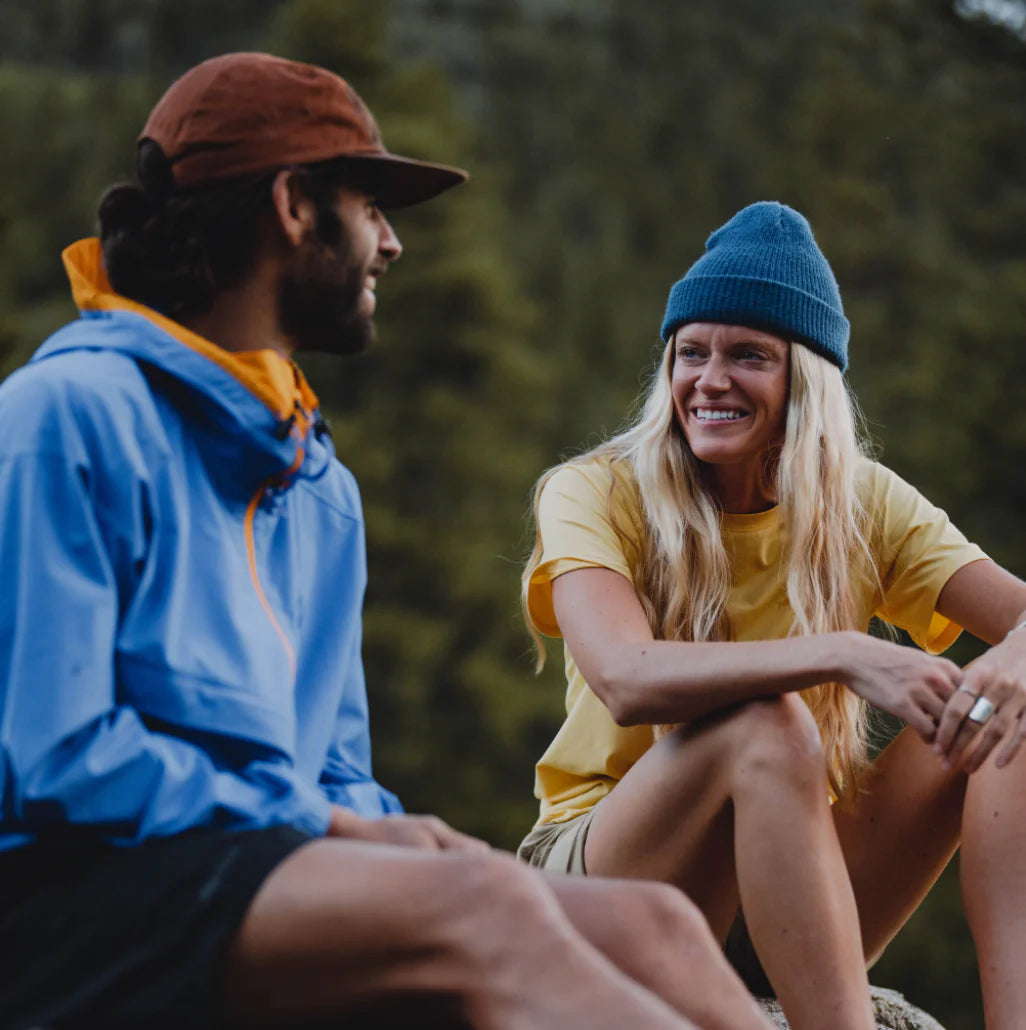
point(764, 270)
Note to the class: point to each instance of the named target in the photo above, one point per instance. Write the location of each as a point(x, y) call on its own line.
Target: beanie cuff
point(762, 304)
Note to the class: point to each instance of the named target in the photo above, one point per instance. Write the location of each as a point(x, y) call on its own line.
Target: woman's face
point(730, 386)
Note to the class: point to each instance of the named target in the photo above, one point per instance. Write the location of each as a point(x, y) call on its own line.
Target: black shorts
point(96, 936)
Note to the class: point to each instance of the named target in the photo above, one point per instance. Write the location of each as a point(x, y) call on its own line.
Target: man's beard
point(319, 296)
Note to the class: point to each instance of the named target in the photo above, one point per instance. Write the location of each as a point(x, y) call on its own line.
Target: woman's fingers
point(926, 700)
point(921, 722)
point(947, 679)
point(987, 708)
point(990, 735)
point(933, 703)
point(952, 721)
point(964, 714)
point(1011, 748)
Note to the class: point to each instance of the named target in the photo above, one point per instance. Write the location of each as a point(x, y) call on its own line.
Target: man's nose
point(388, 243)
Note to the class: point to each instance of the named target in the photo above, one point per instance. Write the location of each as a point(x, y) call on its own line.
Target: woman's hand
point(905, 682)
point(999, 675)
point(410, 831)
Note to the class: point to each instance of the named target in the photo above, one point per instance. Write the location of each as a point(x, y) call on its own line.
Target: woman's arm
point(641, 680)
point(985, 599)
point(991, 604)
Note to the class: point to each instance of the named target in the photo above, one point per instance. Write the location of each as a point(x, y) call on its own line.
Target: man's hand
point(999, 675)
point(410, 831)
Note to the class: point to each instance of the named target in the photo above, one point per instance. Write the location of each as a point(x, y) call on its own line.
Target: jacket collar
point(279, 384)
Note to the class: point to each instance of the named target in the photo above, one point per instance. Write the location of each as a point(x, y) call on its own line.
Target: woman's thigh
point(899, 834)
point(671, 818)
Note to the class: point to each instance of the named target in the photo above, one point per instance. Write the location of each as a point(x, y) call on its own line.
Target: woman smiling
point(712, 571)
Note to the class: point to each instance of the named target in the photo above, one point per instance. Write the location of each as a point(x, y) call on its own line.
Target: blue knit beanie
point(763, 269)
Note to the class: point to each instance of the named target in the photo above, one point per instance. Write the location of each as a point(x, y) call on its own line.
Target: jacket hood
point(258, 393)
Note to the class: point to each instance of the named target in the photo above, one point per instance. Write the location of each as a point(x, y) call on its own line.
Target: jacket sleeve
point(71, 754)
point(346, 778)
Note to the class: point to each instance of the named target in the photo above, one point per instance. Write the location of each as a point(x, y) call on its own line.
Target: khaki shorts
point(558, 847)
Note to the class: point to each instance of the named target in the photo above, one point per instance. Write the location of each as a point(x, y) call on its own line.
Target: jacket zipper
point(251, 555)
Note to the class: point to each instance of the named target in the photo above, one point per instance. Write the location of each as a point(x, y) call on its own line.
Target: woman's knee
point(777, 738)
point(752, 746)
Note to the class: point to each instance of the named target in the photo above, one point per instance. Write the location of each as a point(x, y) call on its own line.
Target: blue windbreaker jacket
point(183, 570)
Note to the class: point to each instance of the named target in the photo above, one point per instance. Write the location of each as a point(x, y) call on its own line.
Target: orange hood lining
point(272, 379)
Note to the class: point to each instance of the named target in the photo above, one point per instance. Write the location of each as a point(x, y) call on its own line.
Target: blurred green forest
point(606, 139)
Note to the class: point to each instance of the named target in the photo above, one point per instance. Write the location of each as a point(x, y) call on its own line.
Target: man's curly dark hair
point(176, 250)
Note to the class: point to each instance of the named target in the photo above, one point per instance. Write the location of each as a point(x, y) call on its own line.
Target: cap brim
point(396, 181)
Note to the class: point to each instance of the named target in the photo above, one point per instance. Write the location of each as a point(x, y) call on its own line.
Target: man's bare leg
point(340, 924)
point(653, 933)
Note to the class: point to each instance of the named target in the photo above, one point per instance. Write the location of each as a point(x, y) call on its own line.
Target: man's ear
point(295, 211)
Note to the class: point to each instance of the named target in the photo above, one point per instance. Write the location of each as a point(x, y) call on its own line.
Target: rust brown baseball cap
point(244, 113)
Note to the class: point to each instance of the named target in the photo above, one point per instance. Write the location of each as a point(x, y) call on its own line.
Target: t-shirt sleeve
point(577, 531)
point(918, 551)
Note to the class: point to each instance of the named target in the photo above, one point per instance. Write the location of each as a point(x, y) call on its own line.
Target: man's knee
point(660, 914)
point(502, 904)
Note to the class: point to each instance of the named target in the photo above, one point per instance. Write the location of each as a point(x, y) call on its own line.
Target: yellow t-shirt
point(589, 515)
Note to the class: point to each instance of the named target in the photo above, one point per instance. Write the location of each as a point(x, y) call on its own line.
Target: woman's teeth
point(709, 415)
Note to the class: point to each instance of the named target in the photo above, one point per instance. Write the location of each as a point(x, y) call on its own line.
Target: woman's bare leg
point(993, 879)
point(903, 831)
point(340, 925)
point(737, 806)
point(899, 835)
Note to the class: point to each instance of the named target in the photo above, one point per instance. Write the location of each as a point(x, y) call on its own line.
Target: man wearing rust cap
point(190, 831)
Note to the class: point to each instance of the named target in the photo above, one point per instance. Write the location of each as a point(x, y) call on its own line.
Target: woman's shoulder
point(879, 485)
point(870, 477)
point(897, 511)
point(605, 476)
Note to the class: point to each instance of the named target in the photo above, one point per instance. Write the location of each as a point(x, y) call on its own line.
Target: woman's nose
point(714, 376)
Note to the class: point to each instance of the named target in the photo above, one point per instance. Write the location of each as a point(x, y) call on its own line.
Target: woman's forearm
point(641, 680)
point(657, 681)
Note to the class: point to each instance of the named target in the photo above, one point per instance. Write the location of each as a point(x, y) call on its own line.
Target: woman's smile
point(730, 387)
point(721, 415)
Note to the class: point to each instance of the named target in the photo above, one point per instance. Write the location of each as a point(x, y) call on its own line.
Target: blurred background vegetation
point(607, 138)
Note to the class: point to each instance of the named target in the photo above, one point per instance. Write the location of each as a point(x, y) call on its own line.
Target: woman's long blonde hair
point(682, 573)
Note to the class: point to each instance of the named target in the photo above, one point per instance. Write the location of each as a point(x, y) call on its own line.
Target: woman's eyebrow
point(767, 343)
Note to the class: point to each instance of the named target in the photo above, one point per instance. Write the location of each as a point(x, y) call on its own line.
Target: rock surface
point(893, 1012)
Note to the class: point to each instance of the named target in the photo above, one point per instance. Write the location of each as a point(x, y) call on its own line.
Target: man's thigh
point(127, 937)
point(364, 930)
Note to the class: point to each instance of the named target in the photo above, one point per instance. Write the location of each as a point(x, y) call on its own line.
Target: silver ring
point(981, 712)
point(964, 688)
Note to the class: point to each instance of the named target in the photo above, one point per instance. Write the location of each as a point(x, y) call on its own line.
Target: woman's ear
point(295, 211)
